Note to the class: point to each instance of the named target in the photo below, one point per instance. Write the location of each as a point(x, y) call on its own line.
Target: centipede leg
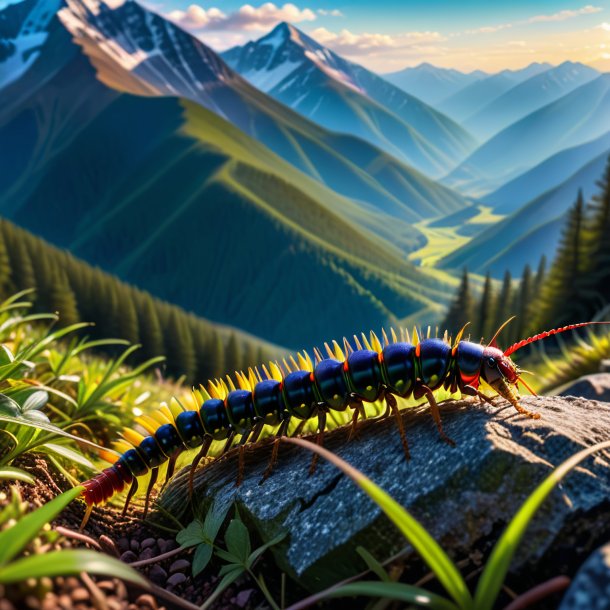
point(299, 428)
point(436, 415)
point(472, 391)
point(275, 450)
point(229, 442)
point(319, 440)
point(393, 408)
point(86, 517)
point(241, 456)
point(205, 447)
point(357, 406)
point(171, 466)
point(154, 473)
point(130, 494)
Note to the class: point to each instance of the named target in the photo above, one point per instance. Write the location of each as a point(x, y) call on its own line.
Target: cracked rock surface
point(463, 495)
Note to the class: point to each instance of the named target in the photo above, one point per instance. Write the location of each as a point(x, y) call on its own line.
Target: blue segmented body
point(302, 391)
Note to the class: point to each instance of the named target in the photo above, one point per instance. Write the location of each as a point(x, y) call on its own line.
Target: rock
point(590, 589)
point(79, 594)
point(241, 599)
point(176, 579)
point(463, 495)
point(157, 575)
point(593, 387)
point(134, 545)
point(147, 543)
point(146, 554)
point(180, 565)
point(129, 557)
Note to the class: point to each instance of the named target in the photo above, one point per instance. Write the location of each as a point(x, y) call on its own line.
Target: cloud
point(604, 26)
point(348, 43)
point(489, 29)
point(246, 18)
point(335, 12)
point(567, 14)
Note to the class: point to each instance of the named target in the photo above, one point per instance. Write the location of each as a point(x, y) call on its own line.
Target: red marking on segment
point(346, 366)
point(418, 350)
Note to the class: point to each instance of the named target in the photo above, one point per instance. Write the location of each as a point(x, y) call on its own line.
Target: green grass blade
point(393, 590)
point(69, 563)
point(15, 474)
point(429, 550)
point(497, 566)
point(14, 539)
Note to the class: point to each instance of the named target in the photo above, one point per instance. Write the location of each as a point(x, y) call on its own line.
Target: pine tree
point(127, 317)
point(61, 299)
point(485, 310)
point(504, 305)
point(22, 271)
point(525, 297)
point(5, 268)
point(151, 334)
point(233, 354)
point(561, 300)
point(180, 350)
point(462, 308)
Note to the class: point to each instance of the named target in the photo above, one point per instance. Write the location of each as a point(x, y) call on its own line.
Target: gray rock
point(593, 387)
point(590, 589)
point(176, 579)
point(180, 565)
point(463, 495)
point(157, 574)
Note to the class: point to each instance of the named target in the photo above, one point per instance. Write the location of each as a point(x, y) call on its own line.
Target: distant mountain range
point(432, 84)
point(171, 197)
point(343, 96)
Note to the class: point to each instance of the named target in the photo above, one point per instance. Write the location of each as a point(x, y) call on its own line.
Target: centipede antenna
point(384, 337)
point(527, 386)
point(154, 473)
point(357, 342)
point(516, 346)
point(493, 342)
point(86, 516)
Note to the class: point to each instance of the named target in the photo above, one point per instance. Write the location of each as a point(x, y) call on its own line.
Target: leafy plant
point(238, 554)
point(447, 573)
point(14, 539)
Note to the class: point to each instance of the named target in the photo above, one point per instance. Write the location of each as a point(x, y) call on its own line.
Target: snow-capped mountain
point(431, 83)
point(338, 94)
point(24, 28)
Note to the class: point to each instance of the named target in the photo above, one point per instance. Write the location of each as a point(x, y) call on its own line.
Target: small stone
point(65, 602)
point(129, 557)
point(170, 545)
point(114, 604)
point(72, 582)
point(157, 575)
point(122, 544)
point(180, 565)
point(241, 599)
point(147, 601)
point(176, 579)
point(148, 542)
point(48, 603)
point(79, 595)
point(31, 601)
point(134, 545)
point(147, 554)
point(106, 585)
point(162, 545)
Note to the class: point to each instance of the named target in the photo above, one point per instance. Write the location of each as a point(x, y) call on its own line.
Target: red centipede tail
point(103, 486)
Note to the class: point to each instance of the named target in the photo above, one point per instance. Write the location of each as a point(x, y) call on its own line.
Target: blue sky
point(389, 34)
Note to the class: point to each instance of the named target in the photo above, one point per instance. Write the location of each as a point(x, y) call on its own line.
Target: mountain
point(545, 176)
point(577, 117)
point(533, 230)
point(432, 84)
point(172, 198)
point(340, 95)
point(139, 52)
point(526, 97)
point(474, 97)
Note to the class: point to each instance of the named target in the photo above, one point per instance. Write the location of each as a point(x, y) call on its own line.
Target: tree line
point(77, 291)
point(575, 288)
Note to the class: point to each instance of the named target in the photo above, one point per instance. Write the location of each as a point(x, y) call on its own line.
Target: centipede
point(404, 365)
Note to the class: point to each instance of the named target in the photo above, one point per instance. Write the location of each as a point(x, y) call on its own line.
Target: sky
point(388, 35)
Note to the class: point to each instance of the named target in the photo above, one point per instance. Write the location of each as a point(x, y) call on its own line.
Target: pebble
point(105, 585)
point(180, 565)
point(122, 544)
point(64, 602)
point(170, 545)
point(6, 605)
point(134, 545)
point(149, 542)
point(162, 544)
point(176, 579)
point(157, 575)
point(129, 557)
point(241, 599)
point(80, 594)
point(147, 553)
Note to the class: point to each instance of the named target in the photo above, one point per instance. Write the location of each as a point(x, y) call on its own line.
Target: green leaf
point(214, 519)
point(393, 590)
point(69, 562)
point(493, 575)
point(191, 535)
point(429, 550)
point(9, 407)
point(230, 557)
point(69, 454)
point(261, 549)
point(14, 539)
point(16, 474)
point(36, 400)
point(203, 554)
point(373, 565)
point(238, 540)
